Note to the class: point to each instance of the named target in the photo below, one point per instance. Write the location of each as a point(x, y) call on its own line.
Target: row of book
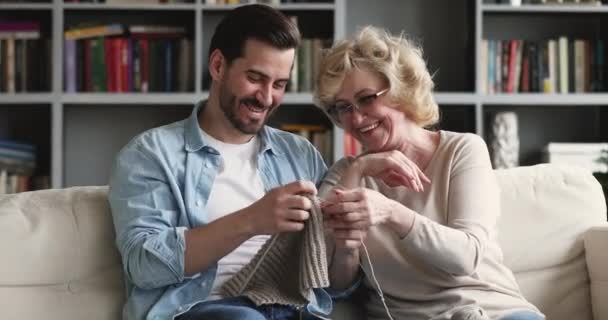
point(15, 182)
point(24, 57)
point(17, 165)
point(547, 2)
point(164, 1)
point(270, 2)
point(128, 1)
point(306, 64)
point(320, 136)
point(139, 58)
point(550, 66)
point(17, 157)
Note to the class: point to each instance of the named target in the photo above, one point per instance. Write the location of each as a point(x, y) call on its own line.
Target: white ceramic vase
point(505, 141)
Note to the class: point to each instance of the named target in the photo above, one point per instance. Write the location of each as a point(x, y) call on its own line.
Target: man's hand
point(283, 209)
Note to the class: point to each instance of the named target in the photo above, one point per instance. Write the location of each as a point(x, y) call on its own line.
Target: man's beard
point(230, 107)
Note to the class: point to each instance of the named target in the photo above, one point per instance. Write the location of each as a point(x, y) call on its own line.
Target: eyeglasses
point(341, 109)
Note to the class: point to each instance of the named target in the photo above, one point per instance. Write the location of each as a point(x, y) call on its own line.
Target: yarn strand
point(378, 288)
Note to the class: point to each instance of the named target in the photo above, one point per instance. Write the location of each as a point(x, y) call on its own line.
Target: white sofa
point(59, 260)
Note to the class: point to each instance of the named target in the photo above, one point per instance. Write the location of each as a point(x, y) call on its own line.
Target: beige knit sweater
point(450, 260)
point(286, 268)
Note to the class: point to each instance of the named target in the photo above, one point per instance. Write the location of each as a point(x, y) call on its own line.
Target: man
point(193, 201)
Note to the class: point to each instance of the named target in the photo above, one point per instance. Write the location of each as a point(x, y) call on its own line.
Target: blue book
point(16, 145)
point(168, 66)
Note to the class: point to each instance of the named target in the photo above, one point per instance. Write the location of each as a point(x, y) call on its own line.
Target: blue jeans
point(522, 315)
point(240, 308)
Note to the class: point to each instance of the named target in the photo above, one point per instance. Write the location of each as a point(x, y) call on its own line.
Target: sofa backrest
point(59, 260)
point(545, 209)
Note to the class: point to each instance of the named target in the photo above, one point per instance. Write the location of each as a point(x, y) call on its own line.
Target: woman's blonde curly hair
point(398, 60)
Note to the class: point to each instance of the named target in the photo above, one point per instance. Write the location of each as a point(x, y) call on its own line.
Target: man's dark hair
point(254, 21)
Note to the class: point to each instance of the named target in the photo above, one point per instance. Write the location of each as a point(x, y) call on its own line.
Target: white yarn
point(378, 288)
point(371, 267)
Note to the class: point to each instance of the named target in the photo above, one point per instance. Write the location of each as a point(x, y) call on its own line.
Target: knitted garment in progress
point(286, 268)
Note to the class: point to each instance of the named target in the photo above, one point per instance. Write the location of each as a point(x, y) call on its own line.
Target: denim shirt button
point(199, 203)
point(207, 165)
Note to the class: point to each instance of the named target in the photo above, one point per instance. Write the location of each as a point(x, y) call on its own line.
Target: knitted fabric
point(286, 268)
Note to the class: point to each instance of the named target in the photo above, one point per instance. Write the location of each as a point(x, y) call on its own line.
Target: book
point(512, 60)
point(304, 53)
point(142, 2)
point(19, 26)
point(518, 66)
point(156, 31)
point(293, 85)
point(562, 43)
point(491, 61)
point(17, 157)
point(20, 34)
point(579, 65)
point(551, 82)
point(98, 61)
point(185, 76)
point(69, 56)
point(93, 31)
point(9, 72)
point(483, 79)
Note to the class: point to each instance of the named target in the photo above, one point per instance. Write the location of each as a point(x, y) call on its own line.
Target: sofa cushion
point(58, 255)
point(545, 211)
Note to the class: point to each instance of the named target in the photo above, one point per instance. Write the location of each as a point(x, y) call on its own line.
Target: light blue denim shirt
point(159, 188)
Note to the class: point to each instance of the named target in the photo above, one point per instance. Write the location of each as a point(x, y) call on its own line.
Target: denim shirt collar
point(195, 140)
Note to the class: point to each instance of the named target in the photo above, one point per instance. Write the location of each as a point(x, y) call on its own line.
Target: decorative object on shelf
point(591, 156)
point(505, 140)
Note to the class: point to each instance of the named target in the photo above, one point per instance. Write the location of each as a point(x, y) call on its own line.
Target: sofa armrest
point(596, 254)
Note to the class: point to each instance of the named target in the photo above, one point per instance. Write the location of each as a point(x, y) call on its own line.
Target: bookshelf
point(452, 33)
point(79, 133)
point(570, 116)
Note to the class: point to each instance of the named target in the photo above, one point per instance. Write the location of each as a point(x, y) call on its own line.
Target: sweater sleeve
point(457, 245)
point(333, 175)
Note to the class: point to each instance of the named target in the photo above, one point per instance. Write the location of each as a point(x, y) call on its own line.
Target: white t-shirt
point(237, 185)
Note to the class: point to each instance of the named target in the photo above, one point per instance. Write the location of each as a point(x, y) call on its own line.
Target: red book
point(116, 55)
point(19, 25)
point(512, 61)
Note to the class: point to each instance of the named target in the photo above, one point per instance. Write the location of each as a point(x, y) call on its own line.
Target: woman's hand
point(392, 167)
point(350, 213)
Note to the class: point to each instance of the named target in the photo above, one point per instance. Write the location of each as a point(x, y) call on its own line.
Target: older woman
point(424, 203)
